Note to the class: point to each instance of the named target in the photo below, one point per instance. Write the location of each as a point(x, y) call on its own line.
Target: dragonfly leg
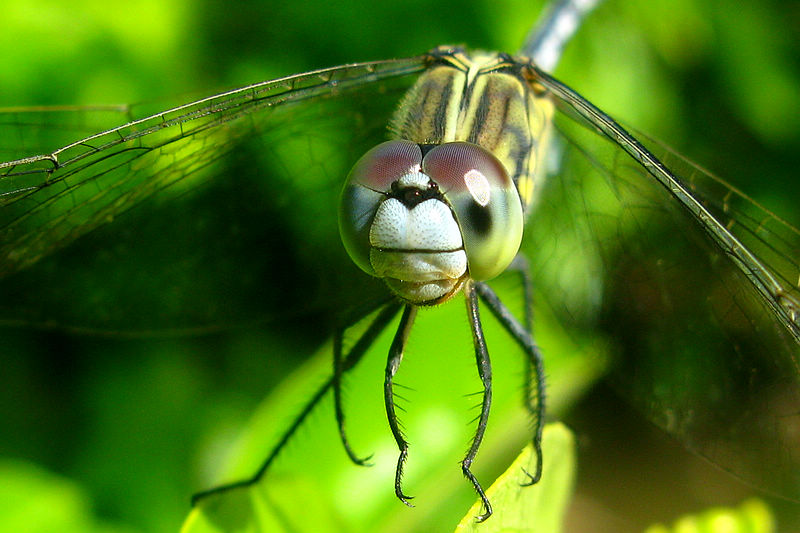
point(521, 265)
point(392, 364)
point(338, 370)
point(366, 340)
point(534, 375)
point(485, 373)
point(533, 393)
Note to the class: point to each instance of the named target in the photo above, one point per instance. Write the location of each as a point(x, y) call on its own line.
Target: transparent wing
point(159, 224)
point(694, 283)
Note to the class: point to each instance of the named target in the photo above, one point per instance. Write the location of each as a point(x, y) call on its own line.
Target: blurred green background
point(115, 433)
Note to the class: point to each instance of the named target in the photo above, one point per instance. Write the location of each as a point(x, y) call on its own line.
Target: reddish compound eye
point(386, 163)
point(485, 202)
point(366, 187)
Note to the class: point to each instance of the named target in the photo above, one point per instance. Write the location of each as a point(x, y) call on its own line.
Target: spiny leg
point(353, 357)
point(392, 364)
point(534, 382)
point(485, 373)
point(339, 368)
point(521, 265)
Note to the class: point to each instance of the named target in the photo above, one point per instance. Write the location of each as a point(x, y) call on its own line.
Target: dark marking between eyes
point(412, 196)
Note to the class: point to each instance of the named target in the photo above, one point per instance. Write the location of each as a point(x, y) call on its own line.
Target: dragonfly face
point(647, 314)
point(401, 225)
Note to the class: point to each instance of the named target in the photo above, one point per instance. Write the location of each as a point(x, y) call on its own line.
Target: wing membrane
point(782, 296)
point(692, 281)
point(38, 218)
point(178, 171)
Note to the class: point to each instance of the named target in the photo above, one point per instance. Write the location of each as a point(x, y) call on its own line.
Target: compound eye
point(485, 201)
point(366, 186)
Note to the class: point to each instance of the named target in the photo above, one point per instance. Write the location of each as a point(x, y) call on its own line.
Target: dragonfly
point(749, 272)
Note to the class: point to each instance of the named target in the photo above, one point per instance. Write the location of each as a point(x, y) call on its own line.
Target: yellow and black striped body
point(484, 99)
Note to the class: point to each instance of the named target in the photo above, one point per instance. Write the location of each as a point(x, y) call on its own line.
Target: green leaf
point(314, 487)
point(539, 508)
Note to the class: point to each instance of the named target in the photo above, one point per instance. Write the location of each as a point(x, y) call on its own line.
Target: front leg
point(485, 373)
point(392, 364)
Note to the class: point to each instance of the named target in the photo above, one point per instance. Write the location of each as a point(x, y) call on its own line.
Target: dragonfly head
point(425, 219)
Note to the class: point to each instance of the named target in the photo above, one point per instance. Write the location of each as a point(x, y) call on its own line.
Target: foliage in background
point(134, 426)
point(752, 516)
